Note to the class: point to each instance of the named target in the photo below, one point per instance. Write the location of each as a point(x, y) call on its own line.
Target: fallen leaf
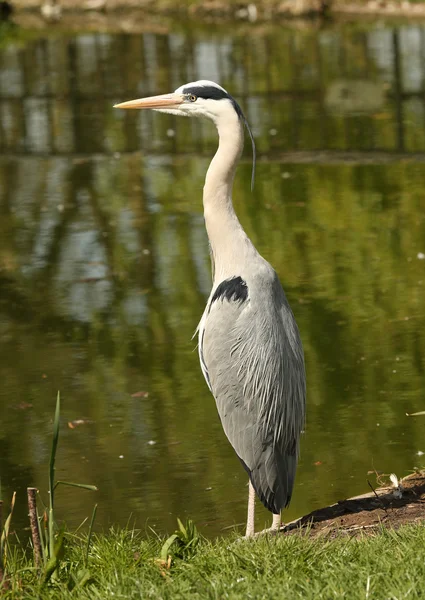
point(164, 566)
point(140, 395)
point(77, 422)
point(24, 405)
point(318, 463)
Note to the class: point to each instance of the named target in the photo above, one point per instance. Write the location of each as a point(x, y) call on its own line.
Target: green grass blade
point(5, 532)
point(167, 545)
point(51, 529)
point(182, 528)
point(90, 534)
point(84, 577)
point(54, 560)
point(6, 528)
point(42, 533)
point(51, 524)
point(83, 522)
point(55, 440)
point(43, 528)
point(83, 486)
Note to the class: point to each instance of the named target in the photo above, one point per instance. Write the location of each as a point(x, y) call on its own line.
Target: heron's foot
point(269, 531)
point(254, 536)
point(274, 529)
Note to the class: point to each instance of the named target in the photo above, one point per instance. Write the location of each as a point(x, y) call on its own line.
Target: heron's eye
point(192, 98)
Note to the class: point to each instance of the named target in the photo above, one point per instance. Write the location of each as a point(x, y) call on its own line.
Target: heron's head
point(197, 99)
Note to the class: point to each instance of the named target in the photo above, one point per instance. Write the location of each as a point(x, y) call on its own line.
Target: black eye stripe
point(207, 92)
point(212, 93)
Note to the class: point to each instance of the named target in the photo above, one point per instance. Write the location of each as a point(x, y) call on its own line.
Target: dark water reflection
point(104, 266)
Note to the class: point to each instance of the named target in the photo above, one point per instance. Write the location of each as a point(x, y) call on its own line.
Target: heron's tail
point(273, 478)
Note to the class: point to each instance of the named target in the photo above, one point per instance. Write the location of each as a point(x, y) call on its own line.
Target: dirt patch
point(388, 506)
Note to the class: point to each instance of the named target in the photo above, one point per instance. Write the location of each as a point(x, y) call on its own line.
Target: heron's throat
point(224, 231)
point(221, 172)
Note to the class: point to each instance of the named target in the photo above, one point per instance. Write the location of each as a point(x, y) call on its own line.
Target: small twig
point(35, 533)
point(357, 527)
point(377, 497)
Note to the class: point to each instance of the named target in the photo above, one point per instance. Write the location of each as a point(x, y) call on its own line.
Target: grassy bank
point(126, 564)
point(361, 561)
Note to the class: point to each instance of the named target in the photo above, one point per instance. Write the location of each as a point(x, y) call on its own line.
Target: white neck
point(224, 230)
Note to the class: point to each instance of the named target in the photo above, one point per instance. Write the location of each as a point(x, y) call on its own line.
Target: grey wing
point(253, 362)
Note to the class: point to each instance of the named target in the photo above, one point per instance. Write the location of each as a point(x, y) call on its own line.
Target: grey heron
point(249, 345)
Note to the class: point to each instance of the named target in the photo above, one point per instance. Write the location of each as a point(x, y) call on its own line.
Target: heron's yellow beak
point(163, 101)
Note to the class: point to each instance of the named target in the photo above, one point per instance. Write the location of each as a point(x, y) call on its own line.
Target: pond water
point(104, 264)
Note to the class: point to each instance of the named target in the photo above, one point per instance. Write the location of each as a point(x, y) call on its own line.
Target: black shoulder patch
point(234, 289)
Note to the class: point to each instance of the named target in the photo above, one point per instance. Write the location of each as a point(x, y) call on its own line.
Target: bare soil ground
point(388, 506)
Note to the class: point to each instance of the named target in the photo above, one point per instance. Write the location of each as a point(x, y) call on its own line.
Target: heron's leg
point(251, 511)
point(274, 529)
point(275, 523)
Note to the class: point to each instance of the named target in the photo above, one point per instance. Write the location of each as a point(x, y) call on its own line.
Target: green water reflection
point(104, 265)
